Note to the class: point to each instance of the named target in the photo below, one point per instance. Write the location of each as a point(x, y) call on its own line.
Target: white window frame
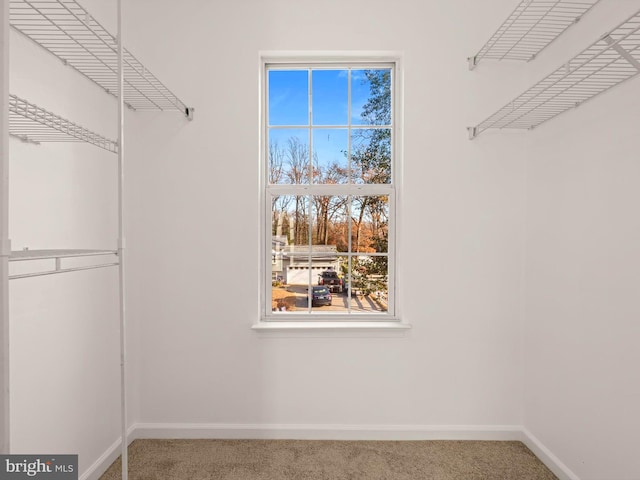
point(312, 320)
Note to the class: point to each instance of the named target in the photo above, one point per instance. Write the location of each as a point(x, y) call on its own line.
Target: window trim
point(317, 320)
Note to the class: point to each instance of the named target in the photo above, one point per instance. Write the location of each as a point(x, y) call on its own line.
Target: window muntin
point(330, 193)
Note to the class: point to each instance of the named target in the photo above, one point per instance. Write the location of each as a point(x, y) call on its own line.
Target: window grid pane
point(329, 252)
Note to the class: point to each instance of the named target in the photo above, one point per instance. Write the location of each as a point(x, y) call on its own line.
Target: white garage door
point(300, 275)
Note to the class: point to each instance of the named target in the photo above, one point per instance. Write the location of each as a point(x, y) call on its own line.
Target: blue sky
point(289, 97)
point(289, 106)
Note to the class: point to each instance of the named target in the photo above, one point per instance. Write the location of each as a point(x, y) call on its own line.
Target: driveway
point(340, 302)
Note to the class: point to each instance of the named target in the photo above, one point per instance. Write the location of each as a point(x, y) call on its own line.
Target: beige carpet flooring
point(329, 460)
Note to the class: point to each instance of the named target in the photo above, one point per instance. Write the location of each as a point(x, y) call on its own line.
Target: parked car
point(330, 279)
point(320, 295)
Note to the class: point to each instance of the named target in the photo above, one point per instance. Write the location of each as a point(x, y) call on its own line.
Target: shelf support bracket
point(188, 112)
point(473, 62)
point(623, 53)
point(473, 132)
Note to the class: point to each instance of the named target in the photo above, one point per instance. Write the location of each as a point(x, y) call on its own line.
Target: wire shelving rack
point(530, 28)
point(612, 59)
point(34, 124)
point(68, 31)
point(57, 256)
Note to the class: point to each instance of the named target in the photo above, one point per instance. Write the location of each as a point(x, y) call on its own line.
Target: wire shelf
point(67, 30)
point(530, 28)
point(21, 255)
point(614, 58)
point(34, 124)
point(57, 256)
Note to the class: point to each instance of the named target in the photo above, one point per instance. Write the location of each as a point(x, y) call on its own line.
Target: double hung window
point(329, 178)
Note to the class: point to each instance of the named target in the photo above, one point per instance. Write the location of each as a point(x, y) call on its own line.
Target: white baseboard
point(329, 432)
point(95, 471)
point(549, 459)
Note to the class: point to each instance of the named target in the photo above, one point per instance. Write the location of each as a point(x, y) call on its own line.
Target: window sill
point(314, 327)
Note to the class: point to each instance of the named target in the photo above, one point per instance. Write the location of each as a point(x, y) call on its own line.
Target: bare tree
point(297, 158)
point(277, 175)
point(327, 206)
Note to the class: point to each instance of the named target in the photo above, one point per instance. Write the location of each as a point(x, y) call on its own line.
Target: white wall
point(583, 274)
point(192, 216)
point(194, 223)
point(4, 227)
point(64, 328)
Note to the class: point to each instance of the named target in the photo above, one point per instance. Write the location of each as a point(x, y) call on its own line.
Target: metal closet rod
point(58, 255)
point(124, 455)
